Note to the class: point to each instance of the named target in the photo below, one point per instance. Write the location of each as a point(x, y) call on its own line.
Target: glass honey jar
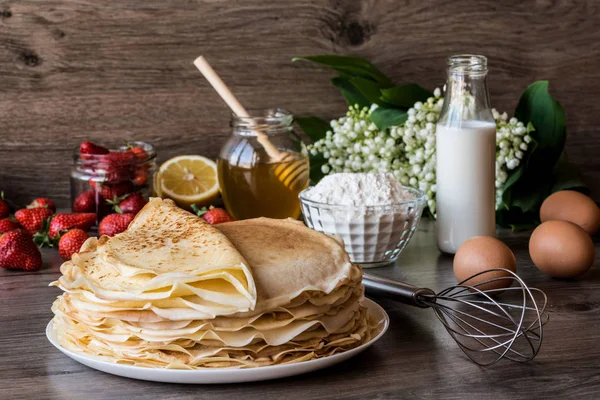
point(253, 183)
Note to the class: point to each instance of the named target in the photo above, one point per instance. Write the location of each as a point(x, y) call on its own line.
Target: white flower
point(354, 144)
point(523, 146)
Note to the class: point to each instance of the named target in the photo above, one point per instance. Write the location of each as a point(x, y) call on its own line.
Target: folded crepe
point(166, 254)
point(289, 259)
point(132, 299)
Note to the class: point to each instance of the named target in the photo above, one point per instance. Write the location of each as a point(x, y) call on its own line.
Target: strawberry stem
point(36, 204)
point(199, 211)
point(42, 238)
point(116, 201)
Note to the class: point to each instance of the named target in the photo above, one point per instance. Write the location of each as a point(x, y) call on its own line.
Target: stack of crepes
point(175, 292)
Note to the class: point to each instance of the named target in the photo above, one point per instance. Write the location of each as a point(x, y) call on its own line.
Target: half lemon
point(188, 180)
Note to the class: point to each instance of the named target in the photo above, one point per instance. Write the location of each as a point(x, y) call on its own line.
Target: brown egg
point(575, 207)
point(483, 253)
point(561, 249)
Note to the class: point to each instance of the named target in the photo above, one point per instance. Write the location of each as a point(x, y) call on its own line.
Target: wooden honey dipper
point(287, 171)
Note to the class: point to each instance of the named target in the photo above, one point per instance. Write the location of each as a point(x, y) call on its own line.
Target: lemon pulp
point(187, 180)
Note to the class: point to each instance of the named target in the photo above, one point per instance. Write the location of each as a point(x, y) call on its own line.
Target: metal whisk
point(488, 324)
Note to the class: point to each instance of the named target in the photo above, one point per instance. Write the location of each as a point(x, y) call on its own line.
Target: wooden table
point(415, 359)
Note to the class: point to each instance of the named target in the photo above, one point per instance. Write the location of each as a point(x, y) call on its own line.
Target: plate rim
point(384, 323)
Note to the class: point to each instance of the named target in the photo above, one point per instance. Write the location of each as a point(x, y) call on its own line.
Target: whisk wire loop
point(504, 329)
point(486, 329)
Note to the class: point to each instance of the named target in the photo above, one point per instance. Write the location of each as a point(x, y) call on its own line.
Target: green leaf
point(296, 140)
point(516, 219)
point(507, 193)
point(522, 227)
point(531, 200)
point(349, 66)
point(405, 95)
point(315, 128)
point(369, 89)
point(530, 128)
point(352, 95)
point(567, 177)
point(316, 162)
point(387, 117)
point(538, 107)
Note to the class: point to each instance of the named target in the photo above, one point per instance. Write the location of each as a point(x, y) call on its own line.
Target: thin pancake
point(288, 259)
point(165, 253)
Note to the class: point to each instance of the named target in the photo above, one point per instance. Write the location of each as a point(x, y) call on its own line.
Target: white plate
point(224, 375)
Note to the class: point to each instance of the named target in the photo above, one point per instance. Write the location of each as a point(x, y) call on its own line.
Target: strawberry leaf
point(36, 204)
point(116, 201)
point(42, 238)
point(199, 211)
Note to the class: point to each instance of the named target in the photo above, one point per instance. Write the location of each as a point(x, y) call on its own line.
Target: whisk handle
point(377, 286)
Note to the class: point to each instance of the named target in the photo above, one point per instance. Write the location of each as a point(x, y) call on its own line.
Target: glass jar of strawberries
point(101, 179)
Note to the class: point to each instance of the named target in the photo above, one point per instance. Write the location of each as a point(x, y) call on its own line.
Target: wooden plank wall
point(109, 70)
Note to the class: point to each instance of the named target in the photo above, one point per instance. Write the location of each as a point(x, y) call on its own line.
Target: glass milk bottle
point(466, 156)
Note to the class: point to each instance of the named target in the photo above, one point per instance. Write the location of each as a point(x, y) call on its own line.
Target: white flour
point(365, 189)
point(373, 236)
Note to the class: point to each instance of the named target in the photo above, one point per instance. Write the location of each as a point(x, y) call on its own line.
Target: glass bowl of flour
point(372, 213)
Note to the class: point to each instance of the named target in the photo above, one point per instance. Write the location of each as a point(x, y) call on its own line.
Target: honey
point(264, 189)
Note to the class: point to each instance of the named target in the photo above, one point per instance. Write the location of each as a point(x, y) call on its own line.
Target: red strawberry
point(70, 243)
point(213, 215)
point(4, 208)
point(91, 148)
point(110, 191)
point(119, 166)
point(85, 202)
point(114, 223)
point(141, 171)
point(32, 219)
point(18, 251)
point(8, 224)
point(139, 153)
point(42, 202)
point(141, 175)
point(128, 204)
point(63, 222)
point(119, 157)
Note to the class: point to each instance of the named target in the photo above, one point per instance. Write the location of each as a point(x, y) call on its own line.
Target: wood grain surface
point(73, 70)
point(415, 359)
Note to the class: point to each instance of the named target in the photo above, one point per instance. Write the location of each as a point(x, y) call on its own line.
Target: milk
point(466, 177)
